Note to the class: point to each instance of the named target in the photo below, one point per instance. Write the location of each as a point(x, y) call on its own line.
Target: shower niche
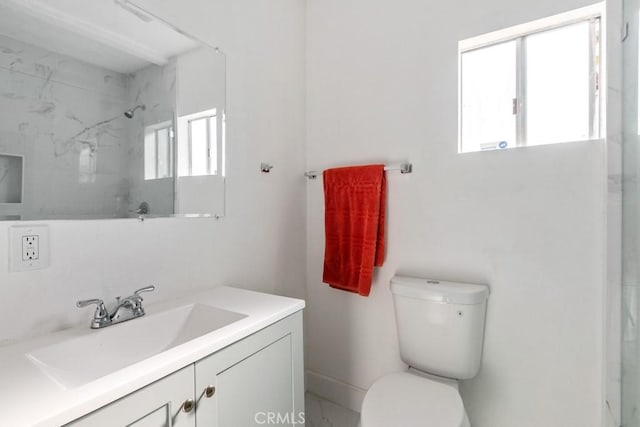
point(108, 112)
point(10, 179)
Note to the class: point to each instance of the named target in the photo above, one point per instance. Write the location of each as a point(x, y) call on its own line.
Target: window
point(158, 151)
point(202, 153)
point(534, 84)
point(202, 138)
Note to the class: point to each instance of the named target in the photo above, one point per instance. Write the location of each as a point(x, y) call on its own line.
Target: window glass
point(213, 151)
point(164, 157)
point(488, 89)
point(158, 151)
point(558, 85)
point(222, 143)
point(533, 84)
point(150, 155)
point(199, 147)
point(183, 155)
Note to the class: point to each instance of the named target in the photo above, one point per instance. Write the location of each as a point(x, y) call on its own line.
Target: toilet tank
point(440, 325)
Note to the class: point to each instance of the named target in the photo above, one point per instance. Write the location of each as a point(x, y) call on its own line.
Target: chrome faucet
point(124, 309)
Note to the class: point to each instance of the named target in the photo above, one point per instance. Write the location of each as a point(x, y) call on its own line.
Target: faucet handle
point(135, 300)
point(145, 289)
point(88, 302)
point(101, 315)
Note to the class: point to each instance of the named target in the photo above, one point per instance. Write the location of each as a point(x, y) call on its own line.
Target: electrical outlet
point(29, 247)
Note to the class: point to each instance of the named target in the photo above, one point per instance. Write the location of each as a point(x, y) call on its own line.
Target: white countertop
point(28, 397)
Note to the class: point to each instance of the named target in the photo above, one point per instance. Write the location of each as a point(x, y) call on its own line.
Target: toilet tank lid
point(439, 291)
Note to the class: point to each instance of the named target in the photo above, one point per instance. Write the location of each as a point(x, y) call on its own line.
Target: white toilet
point(440, 331)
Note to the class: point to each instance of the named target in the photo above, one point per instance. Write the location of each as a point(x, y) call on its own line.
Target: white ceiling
point(99, 32)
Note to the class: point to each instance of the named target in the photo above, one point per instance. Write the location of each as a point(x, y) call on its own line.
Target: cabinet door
point(256, 380)
point(157, 405)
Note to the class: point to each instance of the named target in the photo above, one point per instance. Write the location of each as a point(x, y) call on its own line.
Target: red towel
point(354, 222)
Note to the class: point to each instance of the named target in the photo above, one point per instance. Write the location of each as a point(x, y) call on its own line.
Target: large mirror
point(107, 112)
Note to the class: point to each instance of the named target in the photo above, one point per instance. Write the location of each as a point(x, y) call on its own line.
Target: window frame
point(594, 15)
point(154, 130)
point(169, 153)
point(215, 142)
point(208, 119)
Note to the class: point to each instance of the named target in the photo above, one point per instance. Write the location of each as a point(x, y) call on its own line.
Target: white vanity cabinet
point(158, 404)
point(249, 382)
point(254, 379)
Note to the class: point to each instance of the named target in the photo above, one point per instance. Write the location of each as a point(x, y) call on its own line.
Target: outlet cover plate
point(28, 247)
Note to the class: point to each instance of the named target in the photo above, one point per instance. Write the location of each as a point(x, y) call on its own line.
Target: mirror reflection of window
point(201, 153)
point(201, 139)
point(158, 151)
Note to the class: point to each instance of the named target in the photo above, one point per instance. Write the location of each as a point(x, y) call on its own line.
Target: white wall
point(259, 245)
point(382, 86)
point(382, 80)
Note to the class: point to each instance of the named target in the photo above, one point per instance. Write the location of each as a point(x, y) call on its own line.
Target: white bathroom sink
point(80, 360)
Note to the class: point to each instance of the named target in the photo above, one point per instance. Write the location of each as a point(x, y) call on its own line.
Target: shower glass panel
point(630, 223)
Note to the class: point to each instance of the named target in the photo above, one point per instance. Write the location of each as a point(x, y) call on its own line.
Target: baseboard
point(346, 395)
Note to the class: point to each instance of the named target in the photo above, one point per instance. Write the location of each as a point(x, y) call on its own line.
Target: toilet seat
point(406, 400)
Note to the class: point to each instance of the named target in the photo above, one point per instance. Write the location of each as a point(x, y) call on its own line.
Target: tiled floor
point(322, 413)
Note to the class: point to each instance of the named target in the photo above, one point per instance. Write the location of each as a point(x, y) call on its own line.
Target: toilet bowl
point(404, 399)
point(440, 332)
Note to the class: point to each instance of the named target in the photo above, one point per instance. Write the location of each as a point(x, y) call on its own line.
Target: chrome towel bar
point(402, 167)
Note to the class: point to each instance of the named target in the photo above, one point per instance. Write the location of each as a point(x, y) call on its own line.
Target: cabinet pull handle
point(188, 405)
point(209, 391)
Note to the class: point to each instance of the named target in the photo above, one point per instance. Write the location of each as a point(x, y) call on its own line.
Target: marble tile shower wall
point(66, 117)
point(630, 375)
point(630, 354)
